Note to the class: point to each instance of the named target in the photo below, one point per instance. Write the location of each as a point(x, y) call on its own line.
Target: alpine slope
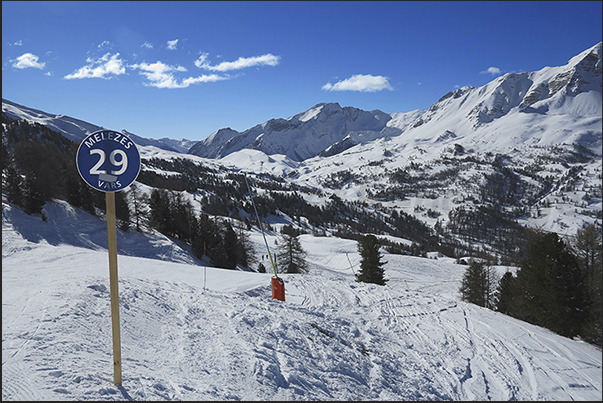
point(192, 332)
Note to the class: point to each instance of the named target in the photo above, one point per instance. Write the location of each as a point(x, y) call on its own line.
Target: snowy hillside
point(521, 151)
point(76, 130)
point(195, 333)
point(555, 105)
point(528, 142)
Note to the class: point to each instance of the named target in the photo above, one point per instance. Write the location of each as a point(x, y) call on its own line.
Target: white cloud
point(241, 63)
point(161, 75)
point(201, 62)
point(360, 82)
point(104, 44)
point(27, 60)
point(100, 68)
point(492, 70)
point(171, 45)
point(147, 45)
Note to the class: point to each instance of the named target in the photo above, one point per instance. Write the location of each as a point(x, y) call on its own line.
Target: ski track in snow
point(332, 339)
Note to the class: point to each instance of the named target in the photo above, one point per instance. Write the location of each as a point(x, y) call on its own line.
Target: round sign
point(108, 160)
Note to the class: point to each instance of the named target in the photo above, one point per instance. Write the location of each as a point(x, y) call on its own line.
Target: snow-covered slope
point(195, 333)
point(76, 130)
point(555, 105)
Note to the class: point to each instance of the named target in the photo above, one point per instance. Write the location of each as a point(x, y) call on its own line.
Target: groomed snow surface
point(190, 332)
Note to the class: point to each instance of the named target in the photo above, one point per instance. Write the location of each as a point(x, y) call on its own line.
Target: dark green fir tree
point(371, 265)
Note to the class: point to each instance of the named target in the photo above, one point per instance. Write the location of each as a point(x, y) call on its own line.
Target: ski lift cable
point(351, 266)
point(261, 228)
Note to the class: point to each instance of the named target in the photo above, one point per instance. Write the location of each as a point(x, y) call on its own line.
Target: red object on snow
point(278, 288)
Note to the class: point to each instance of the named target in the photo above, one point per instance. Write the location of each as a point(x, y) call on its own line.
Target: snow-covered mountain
point(76, 129)
point(301, 136)
point(555, 105)
point(550, 106)
point(528, 143)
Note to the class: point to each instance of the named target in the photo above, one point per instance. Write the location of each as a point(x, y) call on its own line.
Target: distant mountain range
point(522, 150)
point(300, 137)
point(550, 106)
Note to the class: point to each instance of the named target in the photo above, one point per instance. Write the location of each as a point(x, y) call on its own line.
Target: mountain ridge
point(327, 129)
point(76, 129)
point(299, 137)
point(570, 90)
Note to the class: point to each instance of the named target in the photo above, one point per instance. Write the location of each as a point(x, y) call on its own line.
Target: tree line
point(557, 285)
point(38, 165)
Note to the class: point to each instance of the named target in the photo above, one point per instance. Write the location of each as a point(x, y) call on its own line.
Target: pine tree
point(198, 244)
point(588, 249)
point(505, 294)
point(140, 204)
point(159, 207)
point(371, 265)
point(122, 211)
point(291, 256)
point(218, 253)
point(552, 286)
point(33, 200)
point(13, 186)
point(182, 218)
point(87, 196)
point(245, 250)
point(206, 239)
point(230, 247)
point(72, 190)
point(478, 284)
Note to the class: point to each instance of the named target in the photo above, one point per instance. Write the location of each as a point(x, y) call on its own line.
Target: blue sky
point(186, 69)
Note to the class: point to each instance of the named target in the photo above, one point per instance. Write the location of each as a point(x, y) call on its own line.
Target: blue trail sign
point(108, 160)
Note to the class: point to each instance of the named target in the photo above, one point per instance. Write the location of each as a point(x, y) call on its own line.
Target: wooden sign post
point(112, 238)
point(109, 161)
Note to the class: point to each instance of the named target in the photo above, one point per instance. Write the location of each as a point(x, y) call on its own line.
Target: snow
point(76, 130)
point(257, 161)
point(73, 129)
point(311, 113)
point(190, 332)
